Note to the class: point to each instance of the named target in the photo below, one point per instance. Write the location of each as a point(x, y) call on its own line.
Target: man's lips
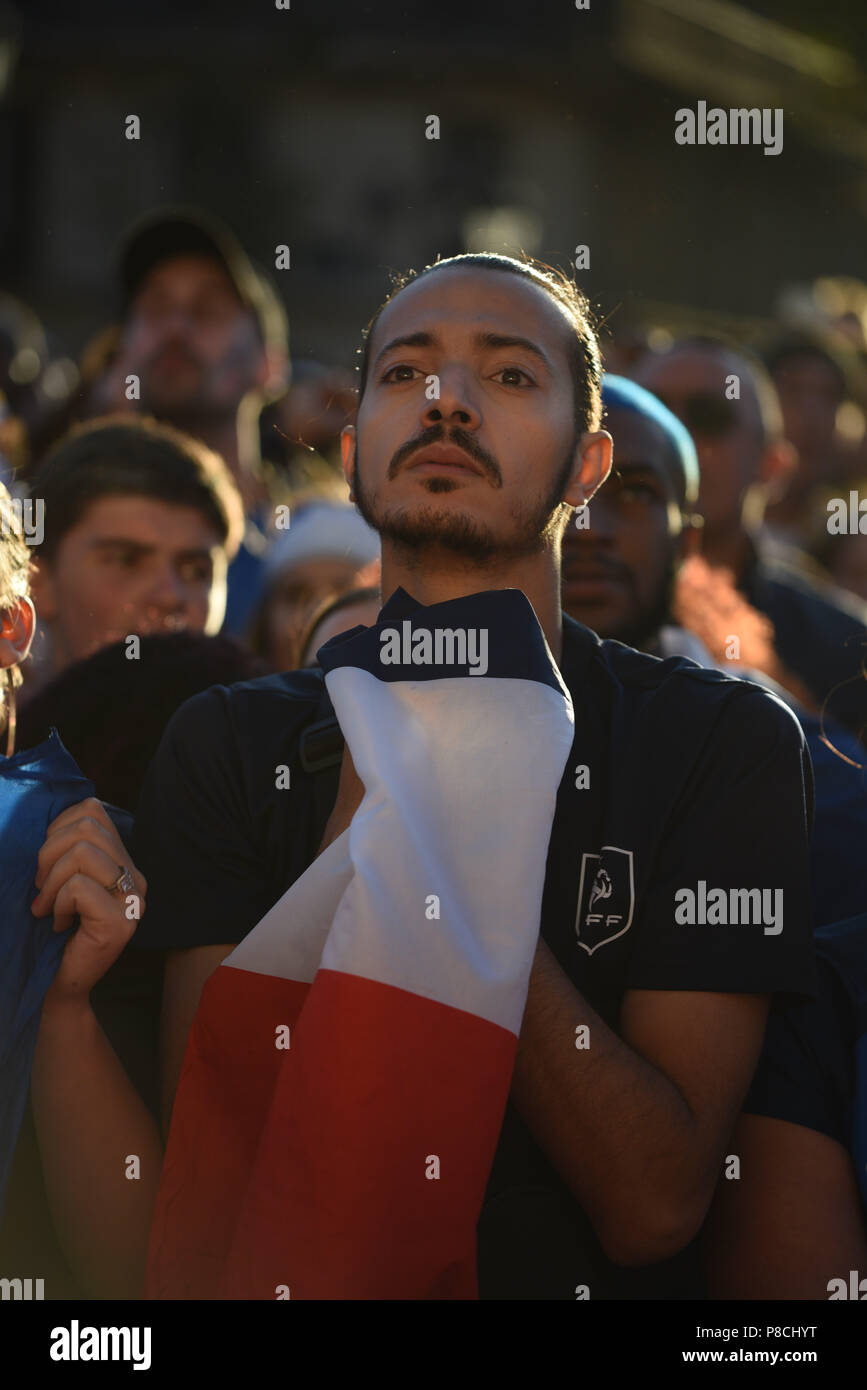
point(172, 360)
point(440, 459)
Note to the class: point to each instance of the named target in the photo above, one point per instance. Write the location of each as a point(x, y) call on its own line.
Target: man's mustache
point(576, 559)
point(172, 347)
point(436, 434)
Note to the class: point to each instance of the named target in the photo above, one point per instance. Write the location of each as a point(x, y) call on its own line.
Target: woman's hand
point(82, 858)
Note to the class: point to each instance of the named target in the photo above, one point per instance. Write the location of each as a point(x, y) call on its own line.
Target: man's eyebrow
point(652, 470)
point(406, 340)
point(105, 542)
point(483, 340)
point(507, 340)
point(143, 548)
point(664, 477)
point(199, 552)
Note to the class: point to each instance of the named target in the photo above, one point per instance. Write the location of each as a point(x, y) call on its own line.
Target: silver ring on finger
point(124, 883)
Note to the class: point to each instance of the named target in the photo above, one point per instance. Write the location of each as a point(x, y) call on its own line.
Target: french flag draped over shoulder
point(347, 1072)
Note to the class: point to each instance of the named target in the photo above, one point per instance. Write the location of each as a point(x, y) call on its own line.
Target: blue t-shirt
point(35, 786)
point(244, 586)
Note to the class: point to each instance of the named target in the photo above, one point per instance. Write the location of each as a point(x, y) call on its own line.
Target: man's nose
point(168, 593)
point(455, 402)
point(175, 321)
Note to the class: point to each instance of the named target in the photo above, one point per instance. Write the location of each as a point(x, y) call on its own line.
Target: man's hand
point(709, 604)
point(82, 856)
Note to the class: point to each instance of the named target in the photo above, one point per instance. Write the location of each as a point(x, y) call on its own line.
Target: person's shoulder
point(250, 712)
point(677, 691)
point(637, 671)
point(816, 598)
point(843, 945)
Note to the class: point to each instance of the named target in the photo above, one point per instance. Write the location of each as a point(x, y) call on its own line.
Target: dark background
point(307, 127)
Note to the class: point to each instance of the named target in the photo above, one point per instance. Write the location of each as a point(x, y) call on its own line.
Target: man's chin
point(611, 624)
point(428, 529)
point(164, 397)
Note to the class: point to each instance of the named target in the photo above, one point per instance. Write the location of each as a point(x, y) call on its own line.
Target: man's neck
point(436, 578)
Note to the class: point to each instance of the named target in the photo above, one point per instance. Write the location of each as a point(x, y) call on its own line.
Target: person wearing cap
point(620, 555)
point(207, 338)
point(327, 550)
point(633, 574)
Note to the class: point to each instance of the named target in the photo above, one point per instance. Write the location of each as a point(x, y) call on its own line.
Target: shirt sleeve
point(806, 1071)
point(194, 837)
point(727, 908)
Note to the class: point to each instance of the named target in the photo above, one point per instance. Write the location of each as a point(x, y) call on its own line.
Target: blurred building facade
point(307, 127)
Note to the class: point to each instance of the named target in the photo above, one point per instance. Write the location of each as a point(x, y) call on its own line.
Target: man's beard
point(641, 631)
point(416, 532)
point(213, 394)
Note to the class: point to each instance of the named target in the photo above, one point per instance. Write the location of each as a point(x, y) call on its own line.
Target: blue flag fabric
point(35, 786)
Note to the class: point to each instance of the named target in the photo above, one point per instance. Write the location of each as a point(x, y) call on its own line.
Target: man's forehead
point(694, 367)
point(690, 367)
point(637, 439)
point(470, 299)
point(198, 271)
point(135, 514)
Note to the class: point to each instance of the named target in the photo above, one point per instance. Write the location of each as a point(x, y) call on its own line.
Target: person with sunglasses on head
point(729, 405)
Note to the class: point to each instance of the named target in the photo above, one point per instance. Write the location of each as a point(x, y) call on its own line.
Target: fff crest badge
point(606, 897)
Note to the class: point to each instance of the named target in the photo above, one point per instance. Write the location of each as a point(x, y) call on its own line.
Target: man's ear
point(17, 626)
point(593, 461)
point(44, 591)
point(347, 457)
point(776, 466)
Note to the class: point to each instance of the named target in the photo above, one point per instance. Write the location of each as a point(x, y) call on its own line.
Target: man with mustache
point(633, 574)
point(620, 556)
point(477, 436)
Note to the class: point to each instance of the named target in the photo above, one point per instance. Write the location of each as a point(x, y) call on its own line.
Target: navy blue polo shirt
point(680, 781)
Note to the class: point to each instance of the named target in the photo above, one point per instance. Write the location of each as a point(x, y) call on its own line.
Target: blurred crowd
point(185, 476)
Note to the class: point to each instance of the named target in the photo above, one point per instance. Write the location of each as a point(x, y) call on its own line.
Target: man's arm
point(793, 1220)
point(92, 1124)
point(90, 1120)
point(636, 1125)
